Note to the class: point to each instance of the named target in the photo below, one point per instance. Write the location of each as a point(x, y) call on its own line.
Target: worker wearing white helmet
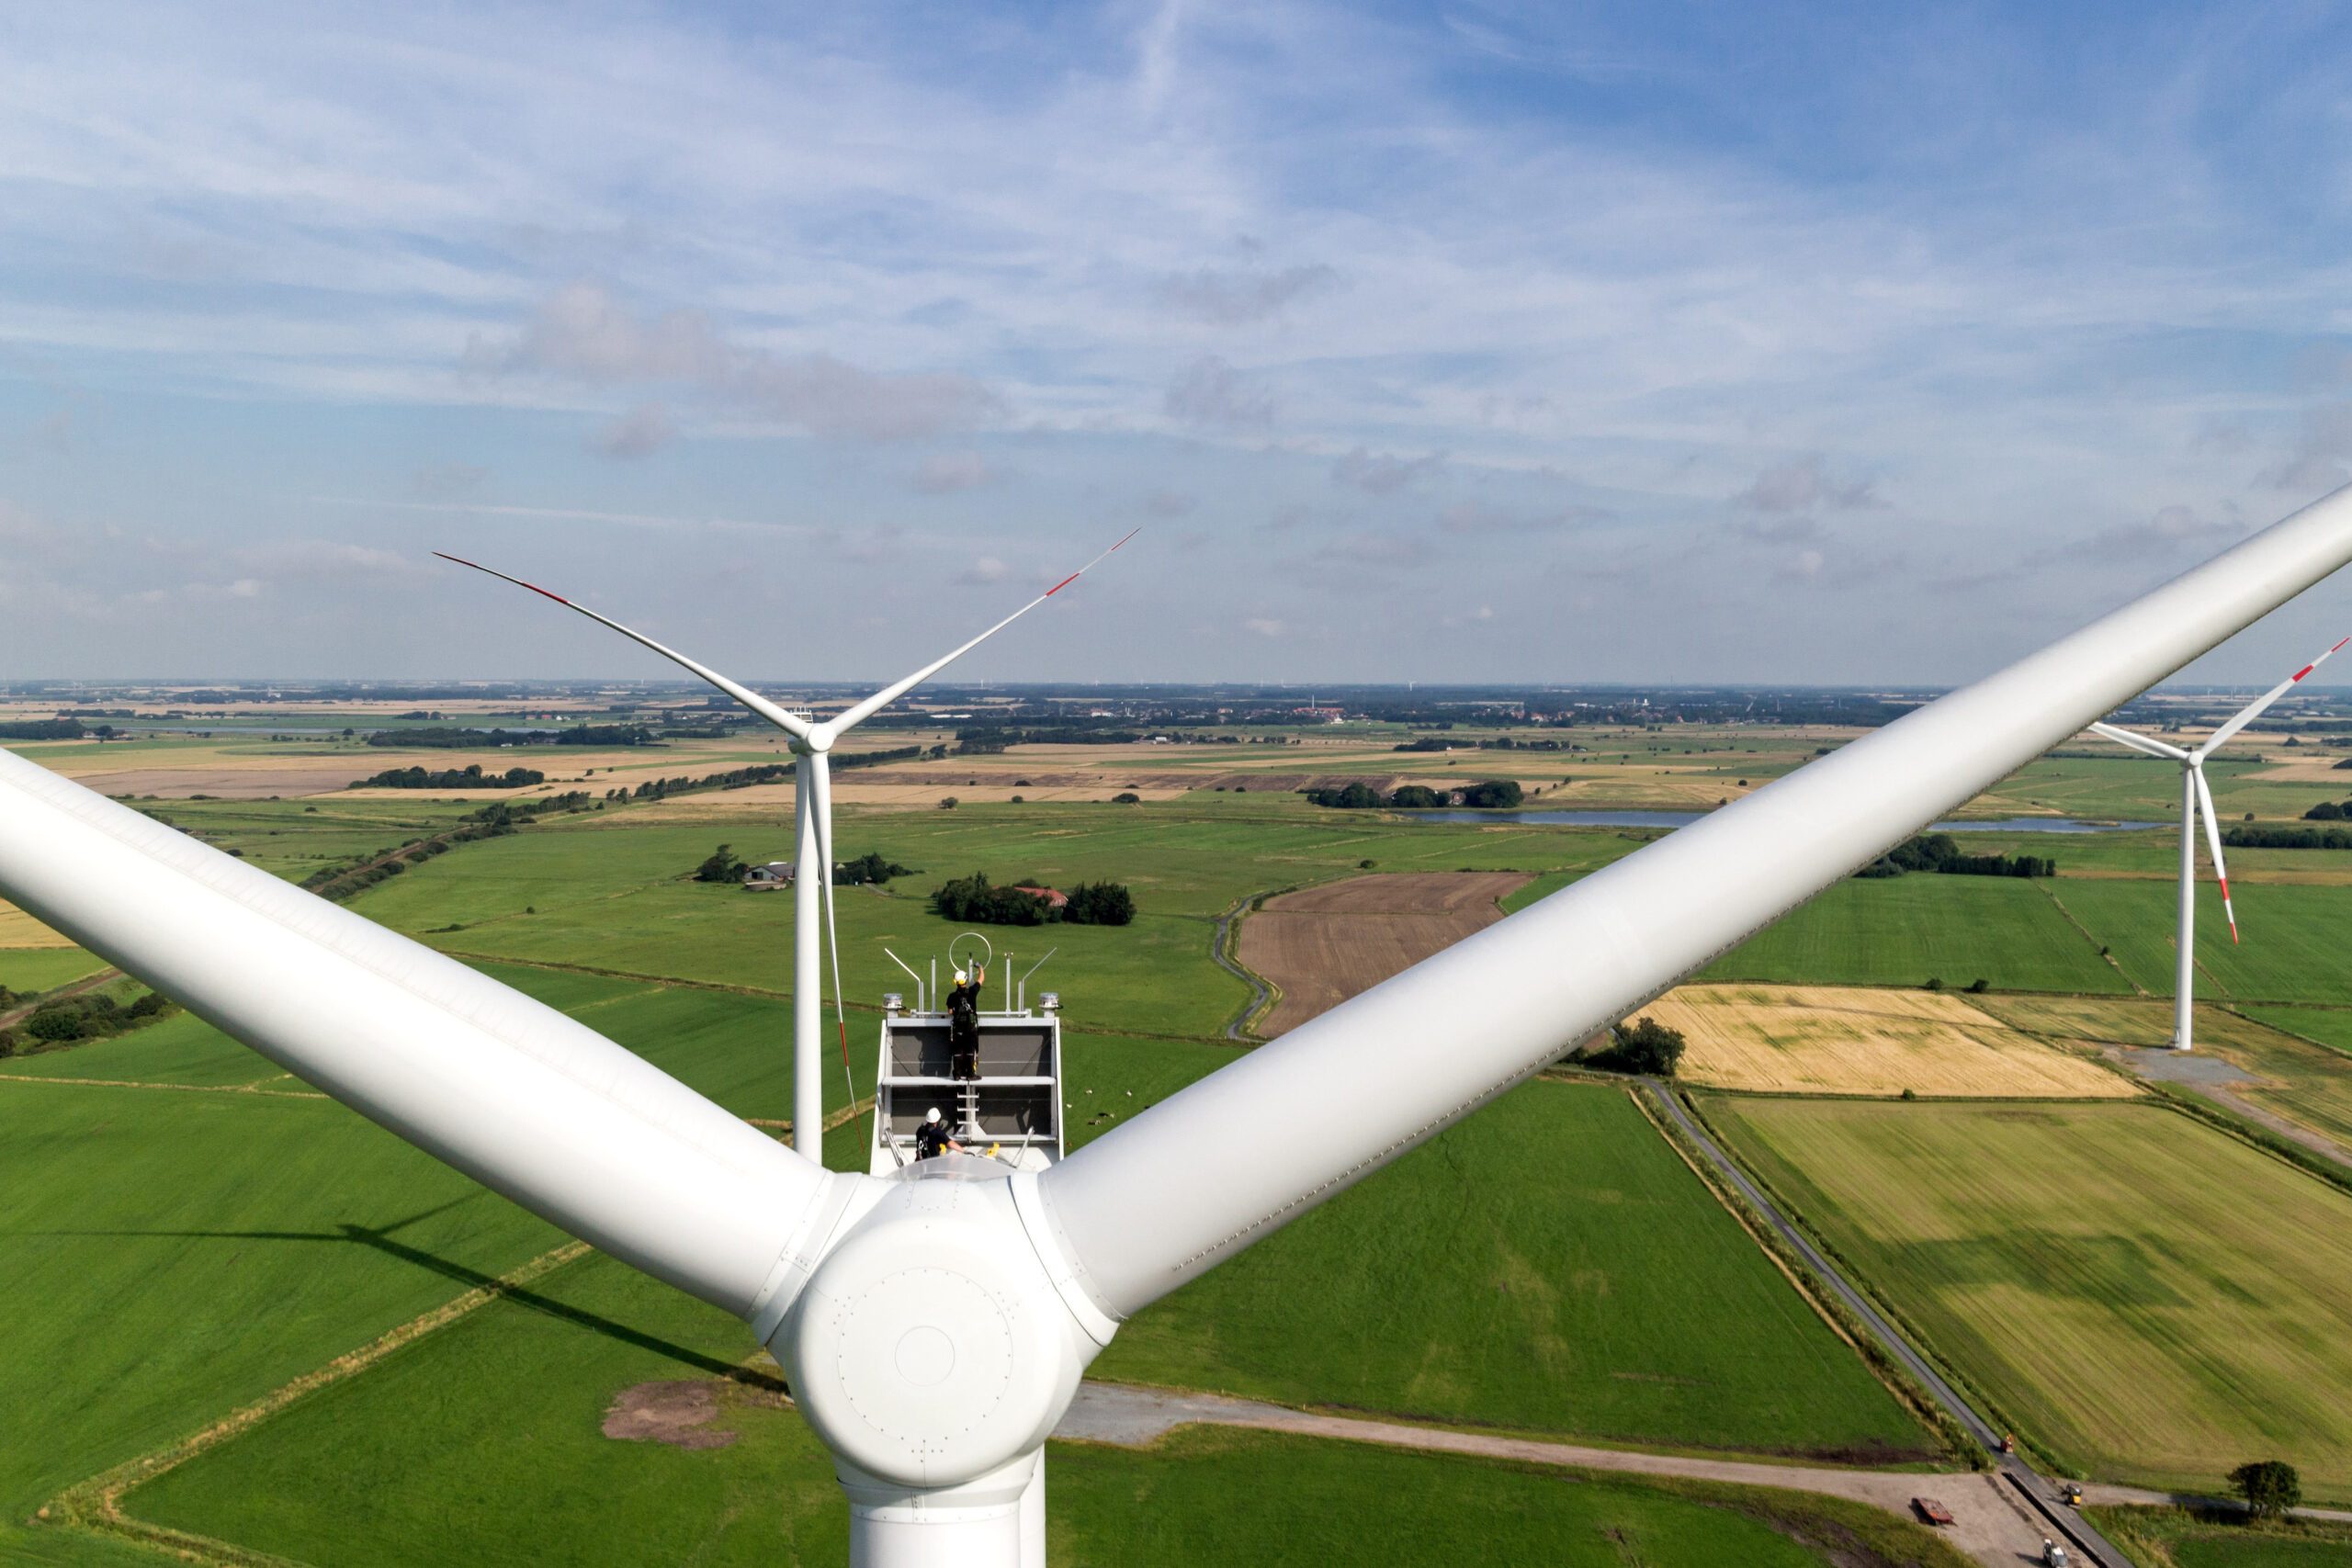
point(931, 1137)
point(964, 1024)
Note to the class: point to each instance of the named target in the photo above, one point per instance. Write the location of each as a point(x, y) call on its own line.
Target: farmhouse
point(1054, 899)
point(772, 877)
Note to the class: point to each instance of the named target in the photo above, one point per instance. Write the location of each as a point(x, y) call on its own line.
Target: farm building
point(1053, 897)
point(772, 877)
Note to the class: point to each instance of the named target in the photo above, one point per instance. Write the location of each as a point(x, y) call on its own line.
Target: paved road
point(2063, 1522)
point(1988, 1521)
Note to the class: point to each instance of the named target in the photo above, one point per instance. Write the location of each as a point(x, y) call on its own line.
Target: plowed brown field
point(1322, 945)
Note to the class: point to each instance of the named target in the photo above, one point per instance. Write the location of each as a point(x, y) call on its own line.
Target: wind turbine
point(934, 1323)
point(2197, 798)
point(812, 794)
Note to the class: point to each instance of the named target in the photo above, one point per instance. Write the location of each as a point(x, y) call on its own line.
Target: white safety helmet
point(934, 1116)
point(961, 978)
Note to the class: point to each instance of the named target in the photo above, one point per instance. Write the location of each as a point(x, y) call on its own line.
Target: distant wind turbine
point(2196, 797)
point(813, 809)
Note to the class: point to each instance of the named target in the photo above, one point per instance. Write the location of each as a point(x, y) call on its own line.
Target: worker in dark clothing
point(932, 1138)
point(964, 1024)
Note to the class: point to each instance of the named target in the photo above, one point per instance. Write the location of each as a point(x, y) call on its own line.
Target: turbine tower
point(812, 796)
point(934, 1323)
point(2196, 799)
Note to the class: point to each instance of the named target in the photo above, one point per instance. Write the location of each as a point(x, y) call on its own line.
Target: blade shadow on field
point(379, 1238)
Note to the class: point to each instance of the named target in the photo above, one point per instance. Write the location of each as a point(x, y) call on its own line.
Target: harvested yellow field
point(1841, 1040)
point(20, 930)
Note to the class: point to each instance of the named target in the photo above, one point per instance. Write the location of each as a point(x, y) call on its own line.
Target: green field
point(28, 969)
point(1513, 1274)
point(2172, 1537)
point(609, 892)
point(491, 1428)
point(2292, 936)
point(165, 1257)
point(1907, 930)
point(2148, 1299)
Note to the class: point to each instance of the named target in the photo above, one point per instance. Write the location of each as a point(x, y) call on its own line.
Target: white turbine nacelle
point(2196, 800)
point(936, 1324)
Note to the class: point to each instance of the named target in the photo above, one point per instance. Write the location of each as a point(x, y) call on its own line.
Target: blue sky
point(1562, 343)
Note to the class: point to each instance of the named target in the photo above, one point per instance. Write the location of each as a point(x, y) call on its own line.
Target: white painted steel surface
point(524, 1099)
point(808, 995)
point(1164, 1198)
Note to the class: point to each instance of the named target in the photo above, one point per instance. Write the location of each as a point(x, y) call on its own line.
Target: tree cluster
point(2329, 811)
point(470, 776)
point(1488, 795)
point(1938, 852)
point(871, 869)
point(2270, 1486)
point(722, 866)
point(43, 730)
point(1645, 1046)
point(976, 900)
point(68, 1020)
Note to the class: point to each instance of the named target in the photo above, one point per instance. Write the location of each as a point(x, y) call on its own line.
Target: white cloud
point(583, 333)
point(942, 472)
point(1210, 392)
point(1381, 473)
point(1232, 299)
point(639, 432)
point(1805, 484)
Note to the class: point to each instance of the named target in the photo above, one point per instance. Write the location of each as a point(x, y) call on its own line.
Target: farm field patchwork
point(1322, 945)
point(1907, 930)
point(1840, 1040)
point(2149, 1299)
point(494, 1426)
point(1516, 1273)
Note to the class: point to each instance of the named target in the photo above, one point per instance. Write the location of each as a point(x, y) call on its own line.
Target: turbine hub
point(930, 1346)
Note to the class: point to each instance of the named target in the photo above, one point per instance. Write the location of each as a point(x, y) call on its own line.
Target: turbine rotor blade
point(858, 712)
point(791, 724)
point(2139, 742)
point(2213, 842)
point(527, 1101)
point(1234, 1157)
point(2252, 710)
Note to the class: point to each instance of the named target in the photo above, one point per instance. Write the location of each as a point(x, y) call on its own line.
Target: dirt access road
point(1321, 945)
point(1988, 1523)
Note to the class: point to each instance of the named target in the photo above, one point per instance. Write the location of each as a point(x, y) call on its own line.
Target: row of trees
point(976, 900)
point(1938, 852)
point(764, 773)
point(2247, 838)
point(470, 776)
point(71, 1020)
point(868, 870)
point(1487, 794)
